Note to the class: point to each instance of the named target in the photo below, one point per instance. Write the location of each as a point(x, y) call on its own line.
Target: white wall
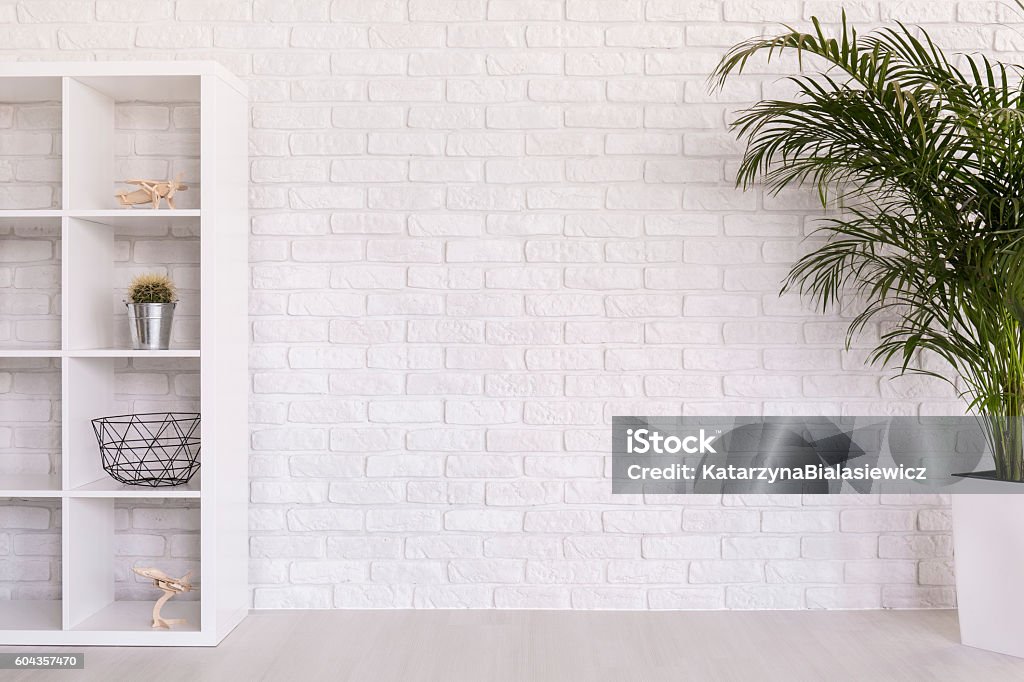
point(479, 230)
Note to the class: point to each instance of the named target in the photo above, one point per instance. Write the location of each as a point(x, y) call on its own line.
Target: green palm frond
point(924, 155)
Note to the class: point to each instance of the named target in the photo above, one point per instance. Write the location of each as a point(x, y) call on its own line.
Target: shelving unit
point(90, 354)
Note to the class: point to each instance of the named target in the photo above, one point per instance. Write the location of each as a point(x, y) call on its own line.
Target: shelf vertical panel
point(88, 146)
point(88, 254)
point(88, 394)
point(88, 570)
point(65, 143)
point(224, 230)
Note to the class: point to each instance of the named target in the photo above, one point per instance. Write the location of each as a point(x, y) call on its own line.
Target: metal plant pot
point(150, 325)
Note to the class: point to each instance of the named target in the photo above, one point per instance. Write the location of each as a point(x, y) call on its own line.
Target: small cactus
point(152, 288)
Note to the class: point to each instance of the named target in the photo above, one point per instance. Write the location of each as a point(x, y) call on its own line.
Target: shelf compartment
point(107, 257)
point(30, 425)
point(30, 144)
point(30, 284)
point(107, 386)
point(108, 538)
point(30, 564)
point(130, 128)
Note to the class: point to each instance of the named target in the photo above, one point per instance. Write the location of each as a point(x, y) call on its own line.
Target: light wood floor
point(477, 646)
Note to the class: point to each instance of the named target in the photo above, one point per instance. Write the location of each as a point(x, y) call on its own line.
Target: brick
point(766, 547)
point(603, 10)
point(366, 170)
point(764, 597)
point(484, 520)
point(485, 571)
point(647, 36)
point(24, 517)
point(403, 144)
point(442, 547)
point(483, 305)
point(532, 278)
point(130, 11)
point(875, 520)
point(603, 116)
point(566, 90)
point(564, 36)
point(290, 11)
point(515, 10)
point(917, 597)
point(607, 598)
point(525, 63)
point(395, 90)
point(683, 10)
point(327, 572)
point(524, 440)
point(722, 571)
point(563, 305)
point(399, 520)
point(176, 36)
point(687, 598)
point(562, 521)
point(486, 36)
point(305, 597)
point(604, 64)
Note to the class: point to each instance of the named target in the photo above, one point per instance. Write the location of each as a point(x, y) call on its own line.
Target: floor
point(563, 645)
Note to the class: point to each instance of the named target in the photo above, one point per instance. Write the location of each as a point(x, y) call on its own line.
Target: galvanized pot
point(150, 325)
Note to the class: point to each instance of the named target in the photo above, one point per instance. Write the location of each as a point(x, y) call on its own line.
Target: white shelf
point(128, 217)
point(36, 614)
point(30, 353)
point(141, 74)
point(101, 212)
point(18, 86)
point(30, 485)
point(137, 616)
point(109, 488)
point(101, 353)
point(128, 353)
point(32, 213)
point(89, 220)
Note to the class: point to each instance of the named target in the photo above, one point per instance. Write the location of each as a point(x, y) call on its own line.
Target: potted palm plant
point(923, 155)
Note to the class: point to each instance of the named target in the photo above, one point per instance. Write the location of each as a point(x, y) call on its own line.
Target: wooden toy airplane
point(170, 586)
point(152, 192)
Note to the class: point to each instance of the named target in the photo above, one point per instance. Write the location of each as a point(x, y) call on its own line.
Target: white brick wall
point(29, 416)
point(30, 284)
point(30, 146)
point(29, 549)
point(481, 228)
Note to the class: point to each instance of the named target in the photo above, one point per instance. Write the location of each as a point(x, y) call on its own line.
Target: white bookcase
point(92, 348)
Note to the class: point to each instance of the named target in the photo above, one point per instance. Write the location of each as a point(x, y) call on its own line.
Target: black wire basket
point(156, 449)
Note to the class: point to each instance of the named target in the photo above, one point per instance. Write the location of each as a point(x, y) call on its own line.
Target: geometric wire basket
point(157, 449)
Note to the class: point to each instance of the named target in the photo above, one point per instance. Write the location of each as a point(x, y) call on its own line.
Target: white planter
point(988, 540)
